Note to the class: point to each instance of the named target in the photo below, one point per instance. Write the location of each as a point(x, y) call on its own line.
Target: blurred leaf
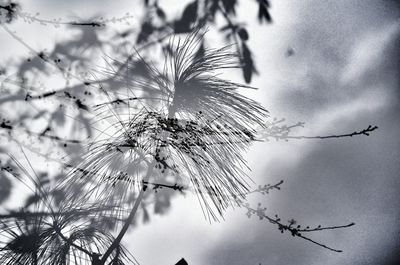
point(80, 105)
point(247, 63)
point(40, 114)
point(32, 199)
point(44, 179)
point(226, 27)
point(162, 202)
point(146, 217)
point(5, 187)
point(243, 34)
point(58, 116)
point(107, 222)
point(263, 13)
point(229, 6)
point(200, 52)
point(189, 16)
point(82, 119)
point(58, 196)
point(146, 30)
point(160, 13)
point(168, 50)
point(190, 12)
point(8, 12)
point(212, 9)
point(139, 68)
point(34, 64)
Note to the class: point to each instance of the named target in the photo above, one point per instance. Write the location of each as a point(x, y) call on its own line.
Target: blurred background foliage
point(49, 99)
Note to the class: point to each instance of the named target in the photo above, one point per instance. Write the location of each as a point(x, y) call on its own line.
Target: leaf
point(58, 196)
point(162, 202)
point(263, 13)
point(80, 119)
point(32, 199)
point(200, 52)
point(80, 105)
point(146, 217)
point(247, 63)
point(212, 9)
point(190, 12)
point(243, 34)
point(10, 11)
point(59, 116)
point(160, 13)
point(5, 187)
point(168, 50)
point(146, 30)
point(226, 27)
point(189, 16)
point(229, 6)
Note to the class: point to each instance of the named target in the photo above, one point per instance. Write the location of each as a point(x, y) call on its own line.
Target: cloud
point(345, 76)
point(368, 51)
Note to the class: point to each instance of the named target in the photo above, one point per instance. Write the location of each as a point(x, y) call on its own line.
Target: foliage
point(132, 133)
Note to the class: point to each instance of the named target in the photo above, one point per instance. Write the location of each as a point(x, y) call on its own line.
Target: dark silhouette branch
point(295, 231)
point(283, 133)
point(365, 132)
point(129, 220)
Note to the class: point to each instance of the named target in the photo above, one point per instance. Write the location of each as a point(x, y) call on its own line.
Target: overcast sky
point(343, 76)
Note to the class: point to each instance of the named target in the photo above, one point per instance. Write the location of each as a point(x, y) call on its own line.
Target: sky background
point(343, 76)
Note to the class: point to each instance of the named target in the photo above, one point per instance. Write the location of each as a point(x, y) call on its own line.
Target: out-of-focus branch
point(296, 231)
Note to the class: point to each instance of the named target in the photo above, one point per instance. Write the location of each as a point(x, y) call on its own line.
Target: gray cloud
point(345, 76)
